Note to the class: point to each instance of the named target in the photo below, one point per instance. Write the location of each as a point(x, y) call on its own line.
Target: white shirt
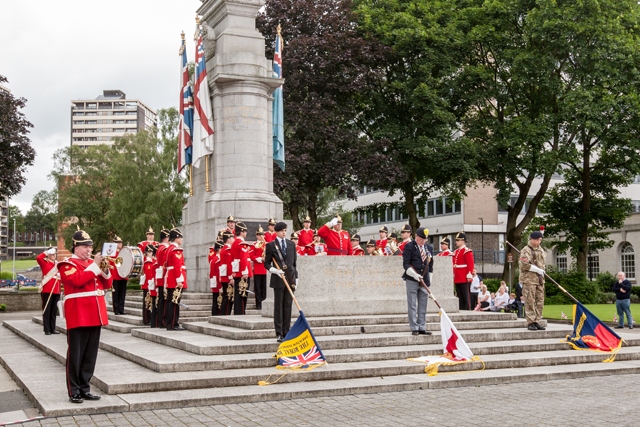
point(502, 300)
point(475, 284)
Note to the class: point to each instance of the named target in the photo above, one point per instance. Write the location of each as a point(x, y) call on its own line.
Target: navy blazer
point(290, 260)
point(411, 257)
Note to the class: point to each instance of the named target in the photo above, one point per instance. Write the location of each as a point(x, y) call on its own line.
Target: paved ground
point(596, 401)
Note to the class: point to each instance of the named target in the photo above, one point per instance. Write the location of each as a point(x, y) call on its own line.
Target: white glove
point(333, 222)
point(430, 277)
point(535, 269)
point(51, 251)
point(296, 283)
point(274, 270)
point(412, 273)
point(259, 260)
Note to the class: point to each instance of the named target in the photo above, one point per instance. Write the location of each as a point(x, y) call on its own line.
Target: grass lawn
point(21, 265)
point(604, 312)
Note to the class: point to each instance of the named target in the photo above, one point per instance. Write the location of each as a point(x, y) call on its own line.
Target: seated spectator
point(484, 299)
point(502, 299)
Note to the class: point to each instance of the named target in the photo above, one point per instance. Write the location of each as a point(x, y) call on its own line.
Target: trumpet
point(176, 294)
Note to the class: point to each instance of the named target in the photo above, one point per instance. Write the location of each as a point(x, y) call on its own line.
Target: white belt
point(169, 268)
point(97, 293)
point(459, 265)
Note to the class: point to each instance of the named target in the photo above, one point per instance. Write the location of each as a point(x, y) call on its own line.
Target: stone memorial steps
point(260, 322)
point(132, 387)
point(135, 320)
point(113, 325)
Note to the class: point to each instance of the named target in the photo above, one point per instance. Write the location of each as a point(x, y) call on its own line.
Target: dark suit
point(281, 297)
point(417, 295)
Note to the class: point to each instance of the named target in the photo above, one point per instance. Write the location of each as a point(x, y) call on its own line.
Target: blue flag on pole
point(589, 333)
point(300, 350)
point(278, 109)
point(186, 111)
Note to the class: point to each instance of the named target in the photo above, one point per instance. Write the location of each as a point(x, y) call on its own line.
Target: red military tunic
point(176, 270)
point(161, 260)
point(147, 280)
point(301, 250)
point(212, 253)
point(240, 253)
point(113, 269)
point(46, 266)
point(257, 256)
point(338, 242)
point(270, 236)
point(214, 273)
point(80, 276)
point(357, 251)
point(305, 239)
point(381, 244)
point(445, 253)
point(225, 263)
point(403, 244)
point(462, 265)
point(143, 245)
point(317, 248)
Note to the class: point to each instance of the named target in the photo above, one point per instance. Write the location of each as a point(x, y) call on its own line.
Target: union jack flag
point(302, 361)
point(300, 350)
point(186, 112)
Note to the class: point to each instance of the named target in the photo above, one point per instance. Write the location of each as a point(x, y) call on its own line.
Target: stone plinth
point(341, 286)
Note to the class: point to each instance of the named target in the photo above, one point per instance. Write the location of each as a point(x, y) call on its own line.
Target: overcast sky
point(56, 51)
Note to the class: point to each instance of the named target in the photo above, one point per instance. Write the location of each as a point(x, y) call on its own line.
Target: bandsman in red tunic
point(405, 234)
point(119, 282)
point(84, 280)
point(214, 276)
point(161, 261)
point(150, 240)
point(300, 250)
point(259, 272)
point(392, 247)
point(226, 275)
point(371, 247)
point(175, 280)
point(338, 240)
point(270, 234)
point(462, 271)
point(241, 269)
point(318, 247)
point(445, 243)
point(50, 289)
point(381, 243)
point(356, 249)
point(305, 237)
point(231, 224)
point(148, 285)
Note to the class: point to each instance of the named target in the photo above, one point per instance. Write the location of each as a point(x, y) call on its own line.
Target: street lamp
point(14, 249)
point(482, 244)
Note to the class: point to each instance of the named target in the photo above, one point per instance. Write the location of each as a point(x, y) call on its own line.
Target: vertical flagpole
point(206, 167)
point(190, 180)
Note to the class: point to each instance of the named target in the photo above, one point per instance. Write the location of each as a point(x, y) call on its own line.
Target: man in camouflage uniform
point(532, 264)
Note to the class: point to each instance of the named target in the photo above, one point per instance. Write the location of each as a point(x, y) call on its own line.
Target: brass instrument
point(219, 301)
point(148, 302)
point(378, 252)
point(242, 287)
point(165, 293)
point(104, 264)
point(392, 247)
point(177, 292)
point(230, 292)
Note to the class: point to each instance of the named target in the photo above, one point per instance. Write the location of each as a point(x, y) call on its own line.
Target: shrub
point(3, 307)
point(635, 298)
point(606, 297)
point(6, 275)
point(576, 283)
point(635, 290)
point(605, 281)
point(492, 284)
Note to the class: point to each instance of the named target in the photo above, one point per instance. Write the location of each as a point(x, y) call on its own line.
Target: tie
point(284, 247)
point(423, 254)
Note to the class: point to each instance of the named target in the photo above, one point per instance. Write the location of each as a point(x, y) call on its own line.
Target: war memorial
point(355, 305)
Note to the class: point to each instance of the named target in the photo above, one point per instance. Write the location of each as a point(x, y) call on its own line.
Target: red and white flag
point(202, 111)
point(454, 347)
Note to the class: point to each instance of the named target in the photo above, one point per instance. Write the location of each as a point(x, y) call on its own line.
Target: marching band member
point(150, 240)
point(305, 237)
point(444, 247)
point(300, 250)
point(259, 272)
point(337, 239)
point(241, 269)
point(462, 268)
point(148, 283)
point(371, 247)
point(50, 289)
point(317, 248)
point(175, 280)
point(270, 235)
point(161, 261)
point(355, 245)
point(405, 233)
point(226, 275)
point(231, 224)
point(84, 280)
point(392, 245)
point(381, 243)
point(119, 282)
point(214, 276)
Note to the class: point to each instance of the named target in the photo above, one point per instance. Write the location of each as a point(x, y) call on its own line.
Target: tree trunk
point(293, 213)
point(313, 212)
point(410, 207)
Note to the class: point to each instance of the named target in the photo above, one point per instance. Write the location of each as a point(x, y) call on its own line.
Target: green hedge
point(492, 284)
point(576, 283)
point(6, 275)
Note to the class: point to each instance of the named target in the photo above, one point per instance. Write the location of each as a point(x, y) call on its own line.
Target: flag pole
point(550, 278)
point(430, 293)
point(190, 179)
point(206, 167)
point(287, 285)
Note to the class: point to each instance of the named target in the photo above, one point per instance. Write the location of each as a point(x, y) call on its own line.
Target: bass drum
point(132, 259)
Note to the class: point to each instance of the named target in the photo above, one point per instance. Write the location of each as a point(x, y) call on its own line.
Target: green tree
point(15, 213)
point(43, 214)
point(15, 146)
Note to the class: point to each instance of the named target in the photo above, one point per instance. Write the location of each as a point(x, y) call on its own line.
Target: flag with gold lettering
point(590, 333)
point(300, 350)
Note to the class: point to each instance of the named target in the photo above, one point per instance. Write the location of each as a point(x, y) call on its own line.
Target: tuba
point(177, 293)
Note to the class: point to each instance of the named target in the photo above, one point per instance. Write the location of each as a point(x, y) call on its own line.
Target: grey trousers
point(417, 298)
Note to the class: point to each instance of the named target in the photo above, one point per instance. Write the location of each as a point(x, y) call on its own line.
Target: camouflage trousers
point(533, 301)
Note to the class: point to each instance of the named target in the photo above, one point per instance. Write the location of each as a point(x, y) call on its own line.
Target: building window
point(561, 262)
point(593, 265)
point(628, 260)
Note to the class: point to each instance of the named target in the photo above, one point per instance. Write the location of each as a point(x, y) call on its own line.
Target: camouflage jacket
point(531, 256)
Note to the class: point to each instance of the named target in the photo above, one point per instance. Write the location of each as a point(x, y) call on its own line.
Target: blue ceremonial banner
point(589, 333)
point(278, 108)
point(300, 350)
point(186, 111)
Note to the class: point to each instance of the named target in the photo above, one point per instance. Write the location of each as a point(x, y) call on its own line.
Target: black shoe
point(76, 398)
point(631, 327)
point(280, 339)
point(56, 332)
point(47, 333)
point(618, 327)
point(89, 396)
point(414, 332)
point(532, 327)
point(540, 328)
point(425, 333)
